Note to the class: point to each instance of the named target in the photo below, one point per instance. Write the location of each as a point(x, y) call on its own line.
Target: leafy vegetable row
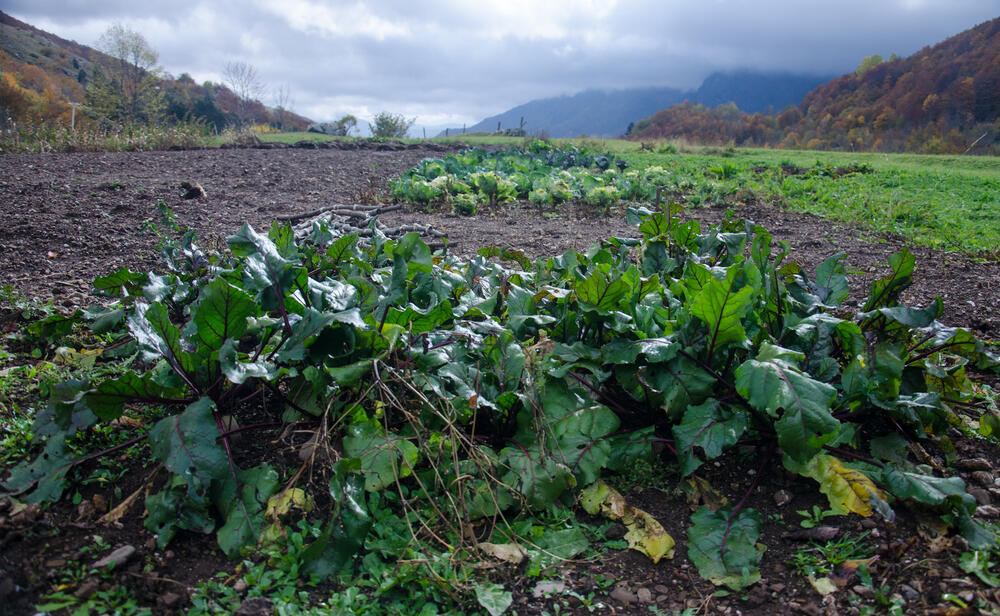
point(477, 390)
point(541, 174)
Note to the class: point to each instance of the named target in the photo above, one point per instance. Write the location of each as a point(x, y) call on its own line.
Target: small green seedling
point(812, 519)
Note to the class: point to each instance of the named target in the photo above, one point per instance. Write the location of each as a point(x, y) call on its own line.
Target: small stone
point(778, 588)
point(256, 606)
point(782, 498)
point(117, 558)
point(983, 478)
point(974, 464)
point(240, 586)
point(982, 496)
point(909, 593)
point(818, 533)
point(85, 510)
point(27, 515)
point(987, 511)
point(662, 589)
point(809, 609)
point(623, 595)
point(868, 524)
point(171, 600)
point(644, 595)
point(87, 589)
point(863, 591)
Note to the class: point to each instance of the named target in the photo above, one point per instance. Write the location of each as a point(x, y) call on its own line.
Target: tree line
point(124, 84)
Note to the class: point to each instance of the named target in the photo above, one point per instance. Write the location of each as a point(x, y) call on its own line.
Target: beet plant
point(469, 394)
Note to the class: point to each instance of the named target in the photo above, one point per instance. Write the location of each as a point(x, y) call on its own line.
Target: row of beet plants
point(489, 388)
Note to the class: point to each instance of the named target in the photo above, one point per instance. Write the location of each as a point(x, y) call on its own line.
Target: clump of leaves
point(541, 175)
point(473, 392)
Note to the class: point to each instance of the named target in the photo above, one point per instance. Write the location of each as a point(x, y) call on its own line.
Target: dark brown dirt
point(70, 217)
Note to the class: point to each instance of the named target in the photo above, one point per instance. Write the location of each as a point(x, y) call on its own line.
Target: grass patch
point(943, 202)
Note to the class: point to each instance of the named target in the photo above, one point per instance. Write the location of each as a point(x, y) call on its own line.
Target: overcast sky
point(449, 62)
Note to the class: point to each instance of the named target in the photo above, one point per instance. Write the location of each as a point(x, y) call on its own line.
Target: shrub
point(387, 125)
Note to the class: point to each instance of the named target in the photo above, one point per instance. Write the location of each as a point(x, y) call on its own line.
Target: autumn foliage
point(940, 100)
point(41, 74)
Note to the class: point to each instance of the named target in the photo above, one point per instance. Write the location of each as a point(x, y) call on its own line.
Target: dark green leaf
point(710, 427)
point(723, 545)
point(771, 383)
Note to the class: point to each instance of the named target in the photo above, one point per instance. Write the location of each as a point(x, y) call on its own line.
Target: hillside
point(942, 99)
point(41, 74)
point(603, 113)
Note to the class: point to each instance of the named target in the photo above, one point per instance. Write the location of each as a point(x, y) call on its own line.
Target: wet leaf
point(723, 546)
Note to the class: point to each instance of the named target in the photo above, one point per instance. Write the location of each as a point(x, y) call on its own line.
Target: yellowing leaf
point(283, 502)
point(847, 489)
point(822, 585)
point(645, 534)
point(601, 498)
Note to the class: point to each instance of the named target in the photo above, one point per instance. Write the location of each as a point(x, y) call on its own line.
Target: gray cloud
point(451, 61)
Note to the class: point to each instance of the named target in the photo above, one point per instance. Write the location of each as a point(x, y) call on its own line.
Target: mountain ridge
point(608, 113)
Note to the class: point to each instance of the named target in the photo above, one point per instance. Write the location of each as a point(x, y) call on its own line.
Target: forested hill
point(41, 74)
point(941, 99)
point(608, 113)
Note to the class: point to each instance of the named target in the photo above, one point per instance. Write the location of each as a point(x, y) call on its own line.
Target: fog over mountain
point(601, 113)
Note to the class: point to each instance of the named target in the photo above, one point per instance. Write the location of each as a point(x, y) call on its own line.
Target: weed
point(814, 518)
point(822, 558)
point(642, 473)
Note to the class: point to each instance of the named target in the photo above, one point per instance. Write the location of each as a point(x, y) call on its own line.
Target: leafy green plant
point(814, 518)
point(448, 398)
point(821, 559)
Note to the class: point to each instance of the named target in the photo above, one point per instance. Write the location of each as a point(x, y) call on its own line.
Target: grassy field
point(945, 202)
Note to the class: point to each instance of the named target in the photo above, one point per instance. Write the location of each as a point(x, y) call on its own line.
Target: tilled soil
point(67, 218)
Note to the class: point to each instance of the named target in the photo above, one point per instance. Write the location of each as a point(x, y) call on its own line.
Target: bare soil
point(67, 218)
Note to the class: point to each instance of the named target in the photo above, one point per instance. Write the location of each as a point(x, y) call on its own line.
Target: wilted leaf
point(645, 534)
point(848, 490)
point(508, 552)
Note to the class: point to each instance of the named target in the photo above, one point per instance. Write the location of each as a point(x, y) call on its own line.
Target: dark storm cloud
point(453, 61)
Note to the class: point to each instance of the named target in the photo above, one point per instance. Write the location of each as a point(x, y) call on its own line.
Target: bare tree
point(126, 85)
point(243, 80)
point(282, 104)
